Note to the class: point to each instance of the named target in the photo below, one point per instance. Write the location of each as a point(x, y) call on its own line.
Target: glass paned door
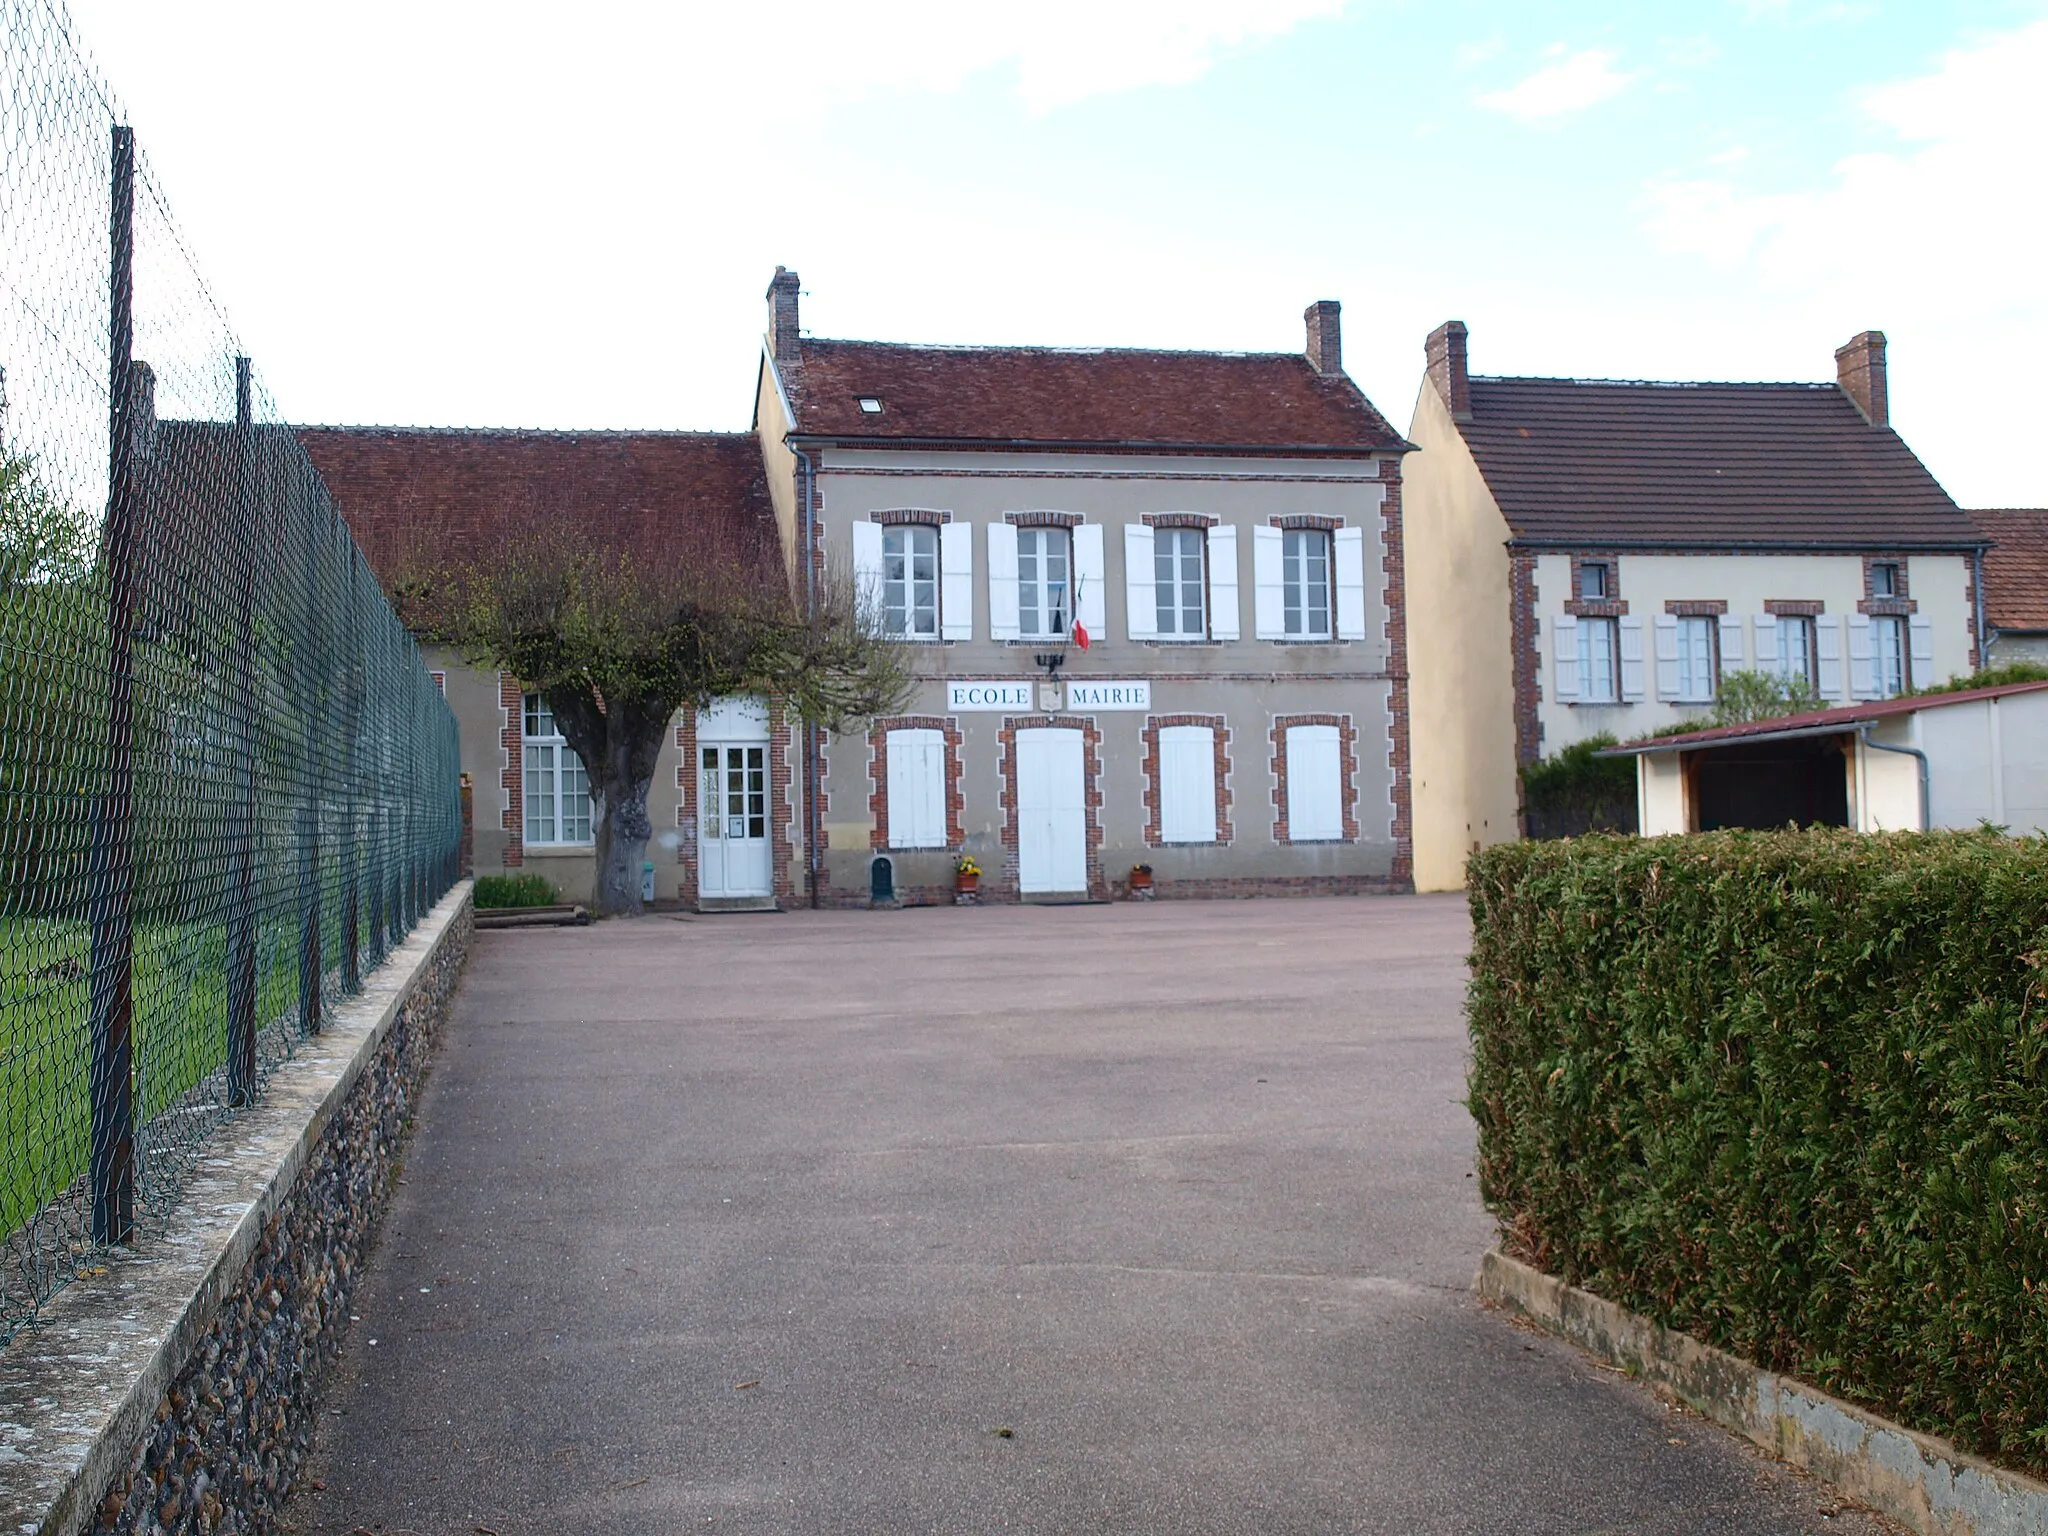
point(733, 820)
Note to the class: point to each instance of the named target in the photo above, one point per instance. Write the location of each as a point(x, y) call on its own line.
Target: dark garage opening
point(1769, 784)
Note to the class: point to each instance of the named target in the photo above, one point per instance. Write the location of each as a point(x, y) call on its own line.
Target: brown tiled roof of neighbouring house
point(1613, 463)
point(2016, 566)
point(1071, 397)
point(418, 496)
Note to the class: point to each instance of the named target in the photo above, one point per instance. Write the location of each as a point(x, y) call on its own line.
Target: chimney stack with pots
point(1325, 337)
point(1859, 369)
point(1445, 350)
point(782, 322)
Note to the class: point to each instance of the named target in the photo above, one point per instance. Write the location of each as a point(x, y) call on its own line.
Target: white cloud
point(1571, 84)
point(1059, 51)
point(1937, 239)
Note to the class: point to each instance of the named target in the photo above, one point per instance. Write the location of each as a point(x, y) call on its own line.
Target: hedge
point(1784, 1091)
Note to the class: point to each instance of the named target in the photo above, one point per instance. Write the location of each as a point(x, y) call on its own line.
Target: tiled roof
point(1817, 722)
point(1700, 465)
point(1108, 396)
point(2016, 569)
point(422, 495)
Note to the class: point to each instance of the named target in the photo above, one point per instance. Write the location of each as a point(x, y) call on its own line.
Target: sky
point(554, 216)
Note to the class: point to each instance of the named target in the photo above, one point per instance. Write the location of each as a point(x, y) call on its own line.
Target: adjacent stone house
point(724, 801)
point(2015, 584)
point(1598, 554)
point(1226, 530)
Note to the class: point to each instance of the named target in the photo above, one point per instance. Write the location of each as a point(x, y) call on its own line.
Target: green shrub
point(514, 891)
point(1784, 1091)
point(1746, 696)
point(1990, 677)
point(1576, 791)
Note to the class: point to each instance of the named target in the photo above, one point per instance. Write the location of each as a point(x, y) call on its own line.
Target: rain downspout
point(807, 489)
point(1926, 817)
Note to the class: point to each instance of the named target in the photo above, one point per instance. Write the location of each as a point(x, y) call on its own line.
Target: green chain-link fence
point(228, 787)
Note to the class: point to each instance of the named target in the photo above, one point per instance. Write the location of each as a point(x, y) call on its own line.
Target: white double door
point(1052, 811)
point(732, 819)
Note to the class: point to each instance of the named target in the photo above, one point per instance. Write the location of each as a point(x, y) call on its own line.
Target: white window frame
point(1891, 671)
point(1036, 619)
point(1174, 585)
point(1308, 599)
point(1799, 648)
point(1699, 664)
point(1599, 677)
point(903, 617)
point(545, 752)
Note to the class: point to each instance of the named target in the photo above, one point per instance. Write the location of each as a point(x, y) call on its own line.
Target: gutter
point(806, 481)
point(1712, 546)
point(1080, 445)
point(1680, 744)
point(1863, 735)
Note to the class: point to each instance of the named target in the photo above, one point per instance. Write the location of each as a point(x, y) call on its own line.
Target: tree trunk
point(619, 741)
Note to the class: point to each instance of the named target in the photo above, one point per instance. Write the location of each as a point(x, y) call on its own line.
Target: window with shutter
point(1599, 656)
point(1187, 784)
point(1044, 584)
point(1305, 584)
point(917, 789)
point(910, 581)
point(1177, 584)
point(1315, 785)
point(1888, 656)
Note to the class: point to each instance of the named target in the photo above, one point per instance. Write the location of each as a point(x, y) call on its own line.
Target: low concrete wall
point(1924, 1482)
point(176, 1391)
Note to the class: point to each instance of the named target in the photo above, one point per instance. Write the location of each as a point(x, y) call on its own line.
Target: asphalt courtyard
point(1142, 1218)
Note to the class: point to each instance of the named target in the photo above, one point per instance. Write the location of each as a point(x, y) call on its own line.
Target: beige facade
point(1460, 652)
point(1941, 629)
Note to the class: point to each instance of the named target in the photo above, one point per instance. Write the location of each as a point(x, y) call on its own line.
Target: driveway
point(1142, 1218)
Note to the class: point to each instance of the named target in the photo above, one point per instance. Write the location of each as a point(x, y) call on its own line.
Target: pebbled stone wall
point(230, 1434)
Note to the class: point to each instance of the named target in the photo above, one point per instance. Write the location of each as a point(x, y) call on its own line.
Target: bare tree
point(619, 628)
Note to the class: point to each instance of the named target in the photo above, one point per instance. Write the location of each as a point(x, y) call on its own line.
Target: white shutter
point(1002, 581)
point(1347, 549)
point(1827, 644)
point(1667, 656)
point(1768, 658)
point(1631, 627)
point(1731, 644)
point(1564, 645)
point(867, 564)
point(1315, 800)
point(956, 581)
point(1923, 652)
point(1223, 583)
point(1862, 675)
point(1091, 606)
point(917, 789)
point(1269, 589)
point(1141, 592)
point(1187, 784)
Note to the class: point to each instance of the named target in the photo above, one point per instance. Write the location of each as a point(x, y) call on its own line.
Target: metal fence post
point(351, 799)
point(113, 840)
point(313, 679)
point(241, 915)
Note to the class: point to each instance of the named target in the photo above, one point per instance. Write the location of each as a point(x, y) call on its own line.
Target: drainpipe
point(1926, 817)
point(1977, 588)
point(806, 482)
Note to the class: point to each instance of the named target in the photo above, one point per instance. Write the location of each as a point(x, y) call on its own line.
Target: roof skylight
point(871, 405)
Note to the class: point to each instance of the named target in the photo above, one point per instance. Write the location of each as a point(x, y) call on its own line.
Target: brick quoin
point(878, 776)
point(1154, 724)
point(1091, 771)
point(688, 793)
point(512, 737)
point(1528, 682)
point(1347, 768)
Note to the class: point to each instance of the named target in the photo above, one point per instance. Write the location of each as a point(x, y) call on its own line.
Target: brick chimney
point(782, 325)
point(1859, 369)
point(1445, 350)
point(1325, 337)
